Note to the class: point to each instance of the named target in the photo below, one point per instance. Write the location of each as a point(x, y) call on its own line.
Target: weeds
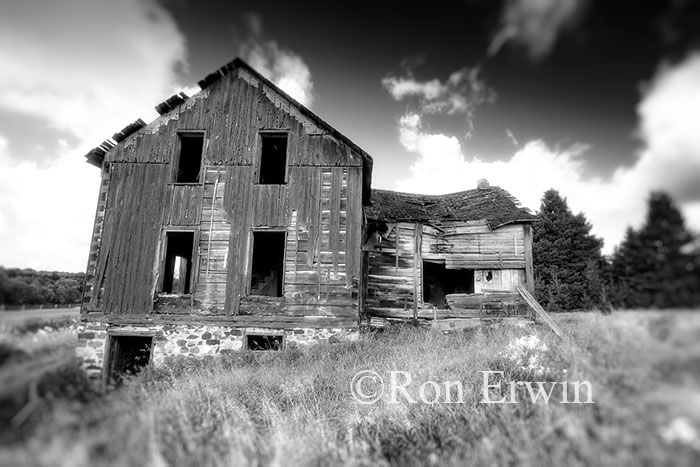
point(294, 407)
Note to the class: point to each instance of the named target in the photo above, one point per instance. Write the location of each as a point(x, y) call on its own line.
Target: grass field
point(295, 407)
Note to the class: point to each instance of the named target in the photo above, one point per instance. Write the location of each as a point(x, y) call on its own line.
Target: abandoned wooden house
point(239, 219)
point(460, 256)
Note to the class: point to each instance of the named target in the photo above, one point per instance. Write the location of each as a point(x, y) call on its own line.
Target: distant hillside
point(30, 287)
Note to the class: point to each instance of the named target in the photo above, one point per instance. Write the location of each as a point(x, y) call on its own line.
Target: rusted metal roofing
point(494, 204)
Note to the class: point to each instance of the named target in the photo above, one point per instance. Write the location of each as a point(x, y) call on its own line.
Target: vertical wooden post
point(364, 277)
point(529, 268)
point(417, 240)
point(396, 247)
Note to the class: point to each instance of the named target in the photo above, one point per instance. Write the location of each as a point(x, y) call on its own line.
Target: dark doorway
point(127, 356)
point(259, 342)
point(439, 282)
point(178, 263)
point(268, 264)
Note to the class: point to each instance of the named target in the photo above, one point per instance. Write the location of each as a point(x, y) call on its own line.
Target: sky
point(599, 100)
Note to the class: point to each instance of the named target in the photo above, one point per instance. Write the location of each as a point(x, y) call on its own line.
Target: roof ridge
point(494, 204)
point(96, 155)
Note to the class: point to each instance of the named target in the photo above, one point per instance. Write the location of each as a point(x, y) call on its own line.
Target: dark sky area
point(585, 90)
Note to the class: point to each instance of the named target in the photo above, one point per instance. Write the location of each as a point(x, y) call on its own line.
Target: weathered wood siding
point(319, 208)
point(395, 276)
point(393, 267)
point(214, 238)
point(183, 205)
point(124, 274)
point(472, 245)
point(498, 280)
point(232, 112)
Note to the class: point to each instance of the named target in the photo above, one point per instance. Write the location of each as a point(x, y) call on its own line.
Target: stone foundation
point(171, 340)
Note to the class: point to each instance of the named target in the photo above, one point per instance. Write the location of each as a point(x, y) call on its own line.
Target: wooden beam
point(423, 313)
point(539, 311)
point(364, 279)
point(529, 268)
point(417, 237)
point(271, 322)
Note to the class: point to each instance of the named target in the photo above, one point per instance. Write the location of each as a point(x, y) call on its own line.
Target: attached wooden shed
point(454, 256)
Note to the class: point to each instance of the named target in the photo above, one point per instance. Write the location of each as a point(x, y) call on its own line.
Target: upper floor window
point(189, 159)
point(273, 159)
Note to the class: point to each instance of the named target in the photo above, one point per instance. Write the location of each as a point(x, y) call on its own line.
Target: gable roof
point(96, 155)
point(494, 204)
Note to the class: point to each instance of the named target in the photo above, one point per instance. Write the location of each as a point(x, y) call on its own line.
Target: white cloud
point(86, 69)
point(400, 88)
point(281, 66)
point(78, 64)
point(461, 93)
point(535, 24)
point(669, 159)
point(46, 213)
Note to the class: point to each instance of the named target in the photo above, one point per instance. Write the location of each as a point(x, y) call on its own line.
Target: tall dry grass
point(295, 408)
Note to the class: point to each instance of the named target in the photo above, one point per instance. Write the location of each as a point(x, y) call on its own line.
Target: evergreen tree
point(651, 267)
point(567, 258)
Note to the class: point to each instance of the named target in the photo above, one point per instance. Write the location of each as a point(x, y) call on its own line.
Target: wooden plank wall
point(391, 269)
point(497, 256)
point(183, 205)
point(320, 209)
point(232, 112)
point(499, 280)
point(472, 245)
point(129, 243)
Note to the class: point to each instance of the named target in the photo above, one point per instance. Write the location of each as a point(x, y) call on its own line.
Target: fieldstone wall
point(305, 336)
point(92, 341)
point(175, 340)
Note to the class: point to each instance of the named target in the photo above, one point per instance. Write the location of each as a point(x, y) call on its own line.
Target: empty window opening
point(190, 158)
point(258, 342)
point(178, 263)
point(439, 282)
point(268, 264)
point(127, 356)
point(273, 158)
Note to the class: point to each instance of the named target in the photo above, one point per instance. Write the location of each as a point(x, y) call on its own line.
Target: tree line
point(30, 287)
point(655, 266)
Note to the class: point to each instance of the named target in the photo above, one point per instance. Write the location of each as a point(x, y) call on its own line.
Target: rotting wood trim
point(120, 332)
point(253, 321)
point(541, 313)
point(424, 313)
point(211, 220)
point(364, 280)
point(417, 245)
point(529, 266)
